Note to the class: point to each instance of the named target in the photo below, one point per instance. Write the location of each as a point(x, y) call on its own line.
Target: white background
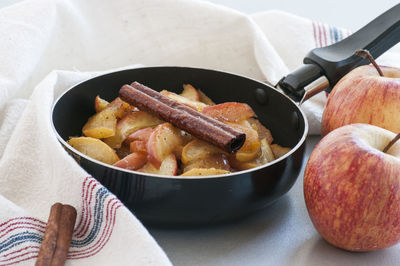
point(351, 14)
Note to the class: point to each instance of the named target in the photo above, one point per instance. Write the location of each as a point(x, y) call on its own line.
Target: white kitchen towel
point(49, 45)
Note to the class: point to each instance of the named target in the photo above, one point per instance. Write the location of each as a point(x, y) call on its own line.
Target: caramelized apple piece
point(204, 98)
point(129, 124)
point(246, 165)
point(121, 108)
point(94, 148)
point(100, 104)
point(217, 161)
point(123, 151)
point(141, 134)
point(266, 152)
point(197, 149)
point(279, 150)
point(101, 125)
point(193, 104)
point(205, 172)
point(246, 156)
point(169, 166)
point(229, 112)
point(132, 161)
point(138, 146)
point(265, 155)
point(251, 146)
point(163, 141)
point(189, 92)
point(262, 131)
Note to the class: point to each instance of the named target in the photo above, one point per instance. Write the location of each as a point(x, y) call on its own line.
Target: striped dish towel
point(48, 46)
point(325, 34)
point(21, 236)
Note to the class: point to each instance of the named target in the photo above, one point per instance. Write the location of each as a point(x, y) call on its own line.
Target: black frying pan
point(177, 201)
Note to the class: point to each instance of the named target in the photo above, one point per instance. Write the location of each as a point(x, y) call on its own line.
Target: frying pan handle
point(329, 64)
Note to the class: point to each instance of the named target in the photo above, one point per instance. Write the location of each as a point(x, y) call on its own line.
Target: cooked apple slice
point(229, 111)
point(192, 104)
point(100, 104)
point(251, 146)
point(129, 124)
point(141, 134)
point(94, 148)
point(189, 92)
point(163, 141)
point(121, 108)
point(264, 156)
point(279, 150)
point(138, 139)
point(205, 172)
point(217, 161)
point(262, 131)
point(101, 125)
point(169, 166)
point(138, 146)
point(204, 98)
point(246, 165)
point(266, 152)
point(197, 149)
point(123, 151)
point(246, 156)
point(132, 161)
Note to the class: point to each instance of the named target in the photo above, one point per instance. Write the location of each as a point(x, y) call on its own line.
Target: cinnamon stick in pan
point(57, 236)
point(183, 117)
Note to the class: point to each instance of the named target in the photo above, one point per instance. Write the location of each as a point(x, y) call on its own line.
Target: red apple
point(352, 188)
point(362, 96)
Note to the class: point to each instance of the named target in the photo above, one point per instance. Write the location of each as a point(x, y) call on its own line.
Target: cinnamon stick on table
point(57, 236)
point(183, 117)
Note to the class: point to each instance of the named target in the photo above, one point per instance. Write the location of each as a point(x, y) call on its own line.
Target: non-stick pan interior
point(273, 109)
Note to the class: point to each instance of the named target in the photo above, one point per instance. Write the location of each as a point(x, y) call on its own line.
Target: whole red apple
point(352, 188)
point(362, 96)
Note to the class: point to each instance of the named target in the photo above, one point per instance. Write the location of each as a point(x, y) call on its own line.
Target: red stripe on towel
point(88, 213)
point(105, 236)
point(315, 33)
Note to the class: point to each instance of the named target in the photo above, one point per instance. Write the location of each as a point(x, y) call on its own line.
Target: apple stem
point(390, 144)
point(367, 55)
